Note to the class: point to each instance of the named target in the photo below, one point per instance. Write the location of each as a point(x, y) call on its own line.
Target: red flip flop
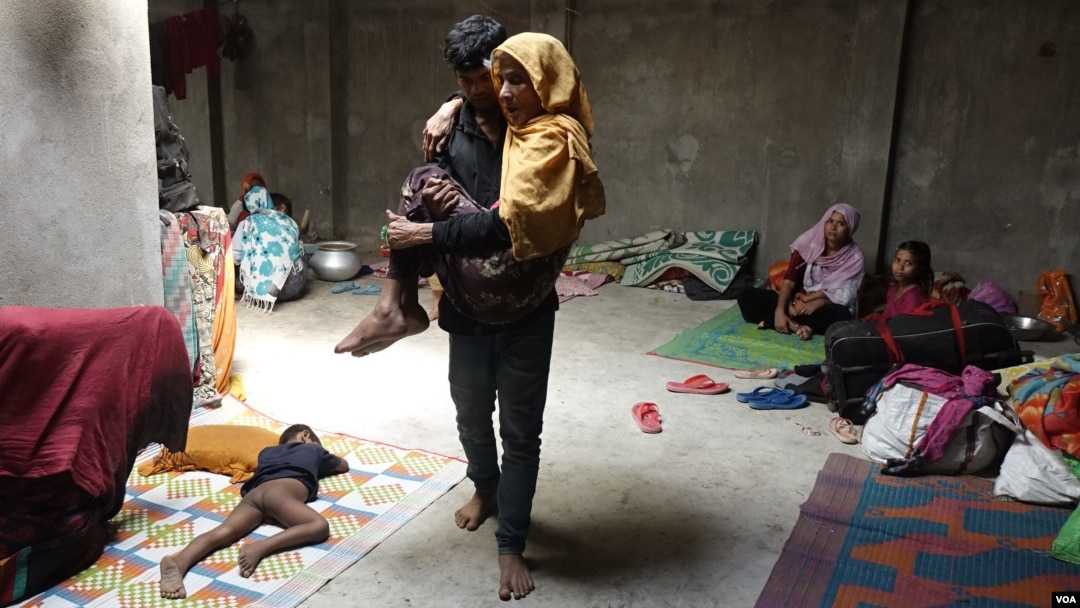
point(700, 384)
point(647, 417)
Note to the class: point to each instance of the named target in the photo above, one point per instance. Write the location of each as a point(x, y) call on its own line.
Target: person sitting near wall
point(237, 212)
point(912, 281)
point(267, 249)
point(821, 285)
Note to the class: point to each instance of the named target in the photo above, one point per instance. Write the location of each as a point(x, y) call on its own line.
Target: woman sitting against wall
point(821, 285)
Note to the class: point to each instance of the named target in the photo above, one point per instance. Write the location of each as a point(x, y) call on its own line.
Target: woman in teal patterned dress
point(268, 251)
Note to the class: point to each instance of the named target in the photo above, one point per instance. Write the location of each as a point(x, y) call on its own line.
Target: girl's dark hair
point(471, 42)
point(921, 252)
point(280, 199)
point(294, 430)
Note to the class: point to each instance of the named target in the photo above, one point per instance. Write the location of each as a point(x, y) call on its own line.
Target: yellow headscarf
point(549, 181)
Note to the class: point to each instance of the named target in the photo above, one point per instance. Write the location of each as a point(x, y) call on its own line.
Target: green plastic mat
point(728, 341)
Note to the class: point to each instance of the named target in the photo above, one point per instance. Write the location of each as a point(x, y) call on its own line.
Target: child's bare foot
point(382, 327)
point(248, 558)
point(172, 579)
point(476, 511)
point(515, 580)
point(761, 325)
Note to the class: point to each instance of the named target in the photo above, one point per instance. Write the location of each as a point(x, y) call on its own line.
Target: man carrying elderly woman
point(498, 268)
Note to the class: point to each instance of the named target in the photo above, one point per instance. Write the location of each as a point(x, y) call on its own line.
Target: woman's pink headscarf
point(835, 272)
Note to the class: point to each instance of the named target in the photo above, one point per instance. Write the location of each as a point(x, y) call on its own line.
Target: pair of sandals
point(772, 398)
point(647, 414)
point(367, 290)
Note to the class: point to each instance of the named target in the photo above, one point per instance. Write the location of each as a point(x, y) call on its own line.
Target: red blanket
point(81, 391)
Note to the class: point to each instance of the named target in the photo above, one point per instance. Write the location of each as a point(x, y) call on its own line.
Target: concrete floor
point(694, 516)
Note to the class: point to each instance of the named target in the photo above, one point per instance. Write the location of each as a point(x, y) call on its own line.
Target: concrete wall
point(988, 157)
point(711, 114)
point(78, 185)
point(739, 115)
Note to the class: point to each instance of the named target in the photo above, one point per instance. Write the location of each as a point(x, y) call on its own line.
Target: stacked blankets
point(712, 256)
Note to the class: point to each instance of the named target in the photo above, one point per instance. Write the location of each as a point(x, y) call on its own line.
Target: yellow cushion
point(227, 449)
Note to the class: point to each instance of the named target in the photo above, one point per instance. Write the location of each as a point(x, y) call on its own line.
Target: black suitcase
point(857, 355)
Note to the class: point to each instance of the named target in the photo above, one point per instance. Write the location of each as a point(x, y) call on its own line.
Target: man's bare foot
point(515, 580)
point(476, 511)
point(172, 579)
point(382, 327)
point(248, 558)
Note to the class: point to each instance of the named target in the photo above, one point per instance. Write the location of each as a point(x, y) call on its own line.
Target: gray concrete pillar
point(78, 180)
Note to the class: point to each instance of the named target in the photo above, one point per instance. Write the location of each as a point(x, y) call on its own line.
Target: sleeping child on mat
point(286, 478)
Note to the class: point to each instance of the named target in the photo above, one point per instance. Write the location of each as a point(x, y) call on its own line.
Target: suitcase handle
point(896, 356)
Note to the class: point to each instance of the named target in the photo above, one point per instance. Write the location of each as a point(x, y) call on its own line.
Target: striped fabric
point(177, 284)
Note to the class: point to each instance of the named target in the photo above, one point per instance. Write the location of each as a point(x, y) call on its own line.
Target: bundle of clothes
point(1023, 420)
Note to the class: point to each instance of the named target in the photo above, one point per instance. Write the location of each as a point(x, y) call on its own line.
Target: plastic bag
point(1058, 307)
point(989, 292)
point(1035, 473)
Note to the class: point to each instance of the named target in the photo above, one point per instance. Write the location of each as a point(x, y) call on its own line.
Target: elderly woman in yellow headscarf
point(499, 276)
point(549, 187)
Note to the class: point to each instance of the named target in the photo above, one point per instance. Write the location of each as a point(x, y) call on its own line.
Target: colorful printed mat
point(867, 539)
point(728, 341)
point(714, 257)
point(386, 487)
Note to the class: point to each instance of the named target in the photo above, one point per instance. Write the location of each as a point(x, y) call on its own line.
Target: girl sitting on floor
point(913, 278)
point(822, 280)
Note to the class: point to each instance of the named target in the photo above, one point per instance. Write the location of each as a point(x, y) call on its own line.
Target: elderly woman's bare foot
point(476, 511)
point(515, 580)
point(382, 327)
point(172, 579)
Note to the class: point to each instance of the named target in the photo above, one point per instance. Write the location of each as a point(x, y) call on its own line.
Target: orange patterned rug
point(867, 539)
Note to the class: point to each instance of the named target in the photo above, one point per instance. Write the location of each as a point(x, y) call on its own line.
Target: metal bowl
point(1027, 328)
point(336, 261)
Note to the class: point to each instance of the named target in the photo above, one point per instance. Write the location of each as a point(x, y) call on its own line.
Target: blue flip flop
point(368, 290)
point(782, 399)
point(759, 392)
point(343, 287)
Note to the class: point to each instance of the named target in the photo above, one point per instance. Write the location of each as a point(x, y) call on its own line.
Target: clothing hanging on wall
point(194, 39)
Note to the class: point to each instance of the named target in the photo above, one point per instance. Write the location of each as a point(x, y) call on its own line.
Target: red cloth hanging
point(194, 39)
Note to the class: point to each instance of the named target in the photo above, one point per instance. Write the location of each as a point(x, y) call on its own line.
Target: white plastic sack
point(1033, 472)
point(903, 417)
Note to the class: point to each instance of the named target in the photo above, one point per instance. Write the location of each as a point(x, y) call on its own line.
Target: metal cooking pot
point(1027, 328)
point(336, 261)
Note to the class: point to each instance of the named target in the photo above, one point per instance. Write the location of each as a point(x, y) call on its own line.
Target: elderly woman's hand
point(402, 233)
point(440, 197)
point(438, 127)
